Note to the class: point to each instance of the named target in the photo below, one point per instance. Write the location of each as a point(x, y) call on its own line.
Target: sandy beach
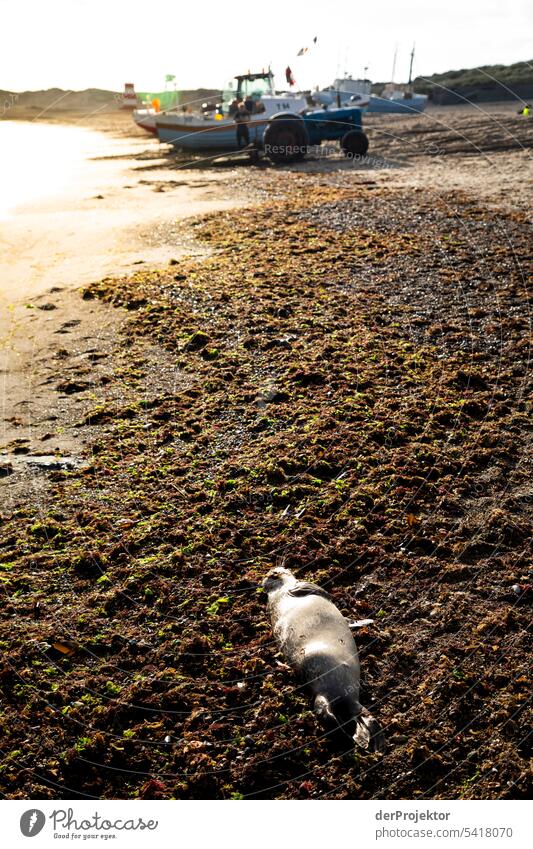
point(210, 371)
point(97, 211)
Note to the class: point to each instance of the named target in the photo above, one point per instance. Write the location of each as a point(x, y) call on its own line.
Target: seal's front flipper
point(303, 588)
point(368, 734)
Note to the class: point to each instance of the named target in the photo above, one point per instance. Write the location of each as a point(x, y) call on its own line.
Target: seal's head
point(278, 579)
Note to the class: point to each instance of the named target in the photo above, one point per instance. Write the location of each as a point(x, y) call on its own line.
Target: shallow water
point(39, 161)
point(74, 207)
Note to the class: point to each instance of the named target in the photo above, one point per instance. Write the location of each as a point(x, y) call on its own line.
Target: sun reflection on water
point(39, 161)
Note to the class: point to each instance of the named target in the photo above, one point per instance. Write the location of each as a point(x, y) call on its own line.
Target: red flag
point(288, 75)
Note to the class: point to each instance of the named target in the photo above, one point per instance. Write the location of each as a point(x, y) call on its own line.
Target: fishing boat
point(394, 98)
point(217, 129)
point(150, 105)
point(345, 92)
point(398, 98)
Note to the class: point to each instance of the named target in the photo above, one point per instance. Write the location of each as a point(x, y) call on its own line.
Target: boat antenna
point(411, 65)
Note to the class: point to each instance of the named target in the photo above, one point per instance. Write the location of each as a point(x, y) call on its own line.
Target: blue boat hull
point(408, 105)
point(216, 136)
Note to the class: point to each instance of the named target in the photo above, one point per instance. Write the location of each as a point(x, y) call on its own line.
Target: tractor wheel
point(354, 143)
point(286, 139)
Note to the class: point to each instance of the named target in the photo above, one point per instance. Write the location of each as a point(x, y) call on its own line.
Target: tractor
point(288, 135)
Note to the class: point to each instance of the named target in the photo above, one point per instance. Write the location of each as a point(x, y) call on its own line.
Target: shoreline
point(111, 218)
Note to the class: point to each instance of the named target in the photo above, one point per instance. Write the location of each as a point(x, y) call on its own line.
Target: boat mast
point(411, 65)
point(394, 63)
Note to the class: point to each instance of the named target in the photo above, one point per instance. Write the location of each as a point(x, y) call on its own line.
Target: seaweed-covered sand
point(343, 390)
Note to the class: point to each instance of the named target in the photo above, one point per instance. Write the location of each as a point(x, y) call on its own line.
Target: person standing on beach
point(242, 119)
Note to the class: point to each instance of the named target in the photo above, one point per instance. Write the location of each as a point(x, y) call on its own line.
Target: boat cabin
point(251, 88)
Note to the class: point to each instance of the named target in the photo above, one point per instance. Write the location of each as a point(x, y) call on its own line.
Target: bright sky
point(81, 44)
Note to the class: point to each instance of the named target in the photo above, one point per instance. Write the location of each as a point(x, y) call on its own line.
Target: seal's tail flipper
point(368, 734)
point(323, 710)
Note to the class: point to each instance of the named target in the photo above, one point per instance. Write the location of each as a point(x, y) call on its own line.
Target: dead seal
point(316, 641)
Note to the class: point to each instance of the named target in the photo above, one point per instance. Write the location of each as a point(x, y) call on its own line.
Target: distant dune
point(59, 99)
point(519, 74)
point(91, 99)
point(484, 84)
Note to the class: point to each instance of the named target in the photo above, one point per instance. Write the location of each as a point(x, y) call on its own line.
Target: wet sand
point(79, 207)
point(98, 213)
